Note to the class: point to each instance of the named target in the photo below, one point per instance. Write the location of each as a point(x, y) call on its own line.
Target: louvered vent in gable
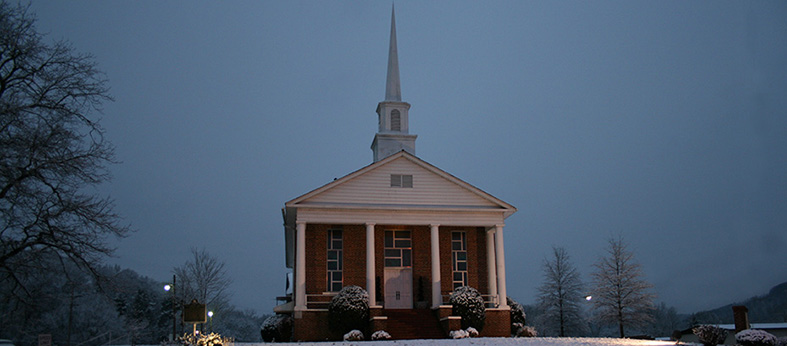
point(402, 180)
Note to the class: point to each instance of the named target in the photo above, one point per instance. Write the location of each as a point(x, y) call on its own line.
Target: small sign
point(194, 312)
point(44, 339)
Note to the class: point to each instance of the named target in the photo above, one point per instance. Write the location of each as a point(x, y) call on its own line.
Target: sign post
point(194, 313)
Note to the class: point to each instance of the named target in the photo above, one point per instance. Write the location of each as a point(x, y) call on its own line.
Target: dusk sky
point(664, 122)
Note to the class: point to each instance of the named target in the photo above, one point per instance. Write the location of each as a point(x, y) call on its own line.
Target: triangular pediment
point(371, 188)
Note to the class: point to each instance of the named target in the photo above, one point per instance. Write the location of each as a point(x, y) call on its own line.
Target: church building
point(404, 230)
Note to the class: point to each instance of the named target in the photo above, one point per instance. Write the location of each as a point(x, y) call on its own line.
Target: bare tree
point(620, 293)
point(52, 154)
point(205, 279)
point(560, 295)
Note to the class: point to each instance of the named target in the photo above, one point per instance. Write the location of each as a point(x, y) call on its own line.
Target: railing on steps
point(490, 300)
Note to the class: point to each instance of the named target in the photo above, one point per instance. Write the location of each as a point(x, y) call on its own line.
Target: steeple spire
point(393, 91)
point(392, 114)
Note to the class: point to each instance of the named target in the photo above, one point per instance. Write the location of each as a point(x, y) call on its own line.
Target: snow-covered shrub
point(472, 332)
point(522, 331)
point(353, 335)
point(754, 337)
point(381, 335)
point(517, 313)
point(468, 303)
point(458, 334)
point(710, 335)
point(349, 310)
point(276, 328)
point(782, 341)
point(211, 339)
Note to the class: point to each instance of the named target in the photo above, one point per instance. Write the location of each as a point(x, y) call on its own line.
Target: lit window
point(459, 258)
point(334, 260)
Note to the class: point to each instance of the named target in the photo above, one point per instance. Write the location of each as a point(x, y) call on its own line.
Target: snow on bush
point(353, 335)
point(459, 334)
point(381, 335)
point(754, 337)
point(520, 330)
point(349, 310)
point(211, 339)
point(710, 335)
point(468, 303)
point(472, 332)
point(782, 341)
point(276, 328)
point(517, 313)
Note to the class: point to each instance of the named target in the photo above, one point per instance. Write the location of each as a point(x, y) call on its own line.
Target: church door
point(398, 270)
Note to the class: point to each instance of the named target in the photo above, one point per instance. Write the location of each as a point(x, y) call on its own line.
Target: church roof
point(433, 189)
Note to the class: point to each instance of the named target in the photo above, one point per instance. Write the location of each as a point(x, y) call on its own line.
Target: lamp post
point(174, 307)
point(210, 314)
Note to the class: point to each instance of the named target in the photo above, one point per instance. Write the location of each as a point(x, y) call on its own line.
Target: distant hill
point(771, 307)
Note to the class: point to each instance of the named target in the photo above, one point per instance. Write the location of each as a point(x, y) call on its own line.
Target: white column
point(370, 282)
point(501, 266)
point(300, 266)
point(436, 282)
point(491, 267)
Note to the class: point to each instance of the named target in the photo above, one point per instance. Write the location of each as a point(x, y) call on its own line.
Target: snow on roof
point(757, 326)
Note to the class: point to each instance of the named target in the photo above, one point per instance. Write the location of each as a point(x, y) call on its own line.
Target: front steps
point(405, 324)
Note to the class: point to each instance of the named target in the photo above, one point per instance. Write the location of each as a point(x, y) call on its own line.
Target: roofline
point(508, 208)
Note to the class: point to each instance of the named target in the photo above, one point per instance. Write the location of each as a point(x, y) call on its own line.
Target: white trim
point(491, 267)
point(501, 266)
point(436, 282)
point(370, 282)
point(300, 264)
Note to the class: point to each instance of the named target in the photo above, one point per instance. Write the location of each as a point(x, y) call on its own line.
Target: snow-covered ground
point(488, 341)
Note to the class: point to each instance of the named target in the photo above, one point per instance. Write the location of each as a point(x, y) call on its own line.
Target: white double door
point(398, 288)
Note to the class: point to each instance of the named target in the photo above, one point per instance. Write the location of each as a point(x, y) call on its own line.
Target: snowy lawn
point(488, 341)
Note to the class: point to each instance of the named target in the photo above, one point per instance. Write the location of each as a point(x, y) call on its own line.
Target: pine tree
point(620, 293)
point(560, 295)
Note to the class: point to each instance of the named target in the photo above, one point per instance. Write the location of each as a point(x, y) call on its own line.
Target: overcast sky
point(661, 121)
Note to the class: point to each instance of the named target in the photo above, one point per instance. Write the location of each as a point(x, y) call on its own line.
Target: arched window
point(396, 120)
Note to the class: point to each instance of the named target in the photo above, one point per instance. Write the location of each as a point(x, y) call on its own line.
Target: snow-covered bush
point(468, 303)
point(353, 335)
point(782, 341)
point(458, 334)
point(349, 310)
point(754, 337)
point(211, 339)
point(472, 332)
point(522, 331)
point(381, 335)
point(276, 328)
point(517, 313)
point(710, 335)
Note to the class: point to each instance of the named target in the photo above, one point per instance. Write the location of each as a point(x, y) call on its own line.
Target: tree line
point(617, 301)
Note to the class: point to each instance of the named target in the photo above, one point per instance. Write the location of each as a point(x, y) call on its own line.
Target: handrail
point(490, 300)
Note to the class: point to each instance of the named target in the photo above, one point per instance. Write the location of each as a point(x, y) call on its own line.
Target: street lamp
point(210, 314)
point(588, 297)
point(168, 288)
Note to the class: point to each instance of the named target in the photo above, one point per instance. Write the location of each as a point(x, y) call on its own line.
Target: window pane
point(337, 286)
point(337, 276)
point(457, 285)
point(389, 239)
point(456, 236)
point(333, 265)
point(461, 255)
point(402, 243)
point(337, 244)
point(393, 262)
point(461, 266)
point(337, 234)
point(406, 258)
point(457, 276)
point(456, 245)
point(332, 255)
point(340, 260)
point(403, 234)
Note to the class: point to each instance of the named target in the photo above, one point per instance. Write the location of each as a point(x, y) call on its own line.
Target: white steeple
point(392, 114)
